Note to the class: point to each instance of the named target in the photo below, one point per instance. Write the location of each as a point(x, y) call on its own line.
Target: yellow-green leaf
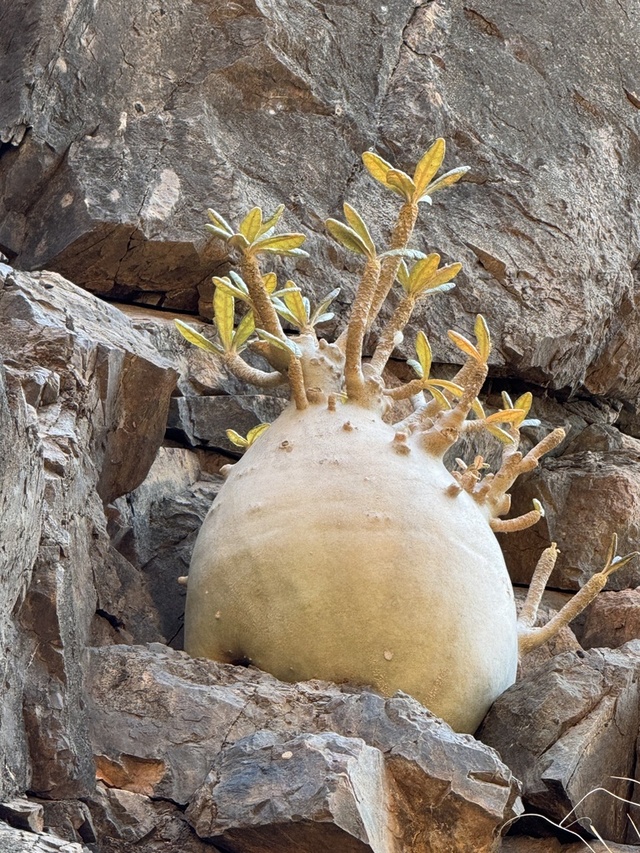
point(451, 387)
point(478, 409)
point(220, 222)
point(429, 165)
point(507, 402)
point(270, 281)
point(280, 343)
point(295, 303)
point(376, 166)
point(357, 223)
point(346, 236)
point(196, 338)
point(482, 336)
point(223, 308)
point(238, 241)
point(256, 432)
point(272, 221)
point(423, 351)
point(251, 224)
point(224, 283)
point(403, 276)
point(447, 180)
point(439, 397)
point(465, 345)
point(280, 244)
point(422, 271)
point(500, 434)
point(613, 549)
point(246, 327)
point(538, 507)
point(524, 402)
point(235, 438)
point(401, 183)
point(442, 276)
point(506, 416)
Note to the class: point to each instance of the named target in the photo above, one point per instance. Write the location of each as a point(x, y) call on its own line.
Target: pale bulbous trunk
point(335, 552)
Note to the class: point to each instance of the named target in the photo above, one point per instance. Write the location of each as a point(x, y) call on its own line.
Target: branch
point(537, 585)
point(243, 371)
point(400, 237)
point(354, 378)
point(260, 299)
point(514, 464)
point(394, 327)
point(448, 424)
point(511, 525)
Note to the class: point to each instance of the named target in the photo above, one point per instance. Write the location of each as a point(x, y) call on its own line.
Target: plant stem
point(260, 299)
point(243, 371)
point(354, 378)
point(400, 236)
point(387, 340)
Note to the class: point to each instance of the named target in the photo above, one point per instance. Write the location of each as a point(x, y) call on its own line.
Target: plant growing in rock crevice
point(340, 547)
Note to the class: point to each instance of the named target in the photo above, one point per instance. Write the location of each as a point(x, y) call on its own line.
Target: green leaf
point(500, 434)
point(506, 416)
point(507, 402)
point(269, 224)
point(442, 276)
point(197, 339)
point(376, 166)
point(270, 281)
point(284, 290)
point(251, 224)
point(346, 236)
point(225, 284)
point(220, 222)
point(281, 244)
point(439, 397)
point(423, 351)
point(403, 276)
point(284, 312)
point(246, 327)
point(223, 308)
point(401, 183)
point(323, 318)
point(279, 343)
point(416, 366)
point(256, 432)
point(429, 165)
point(238, 241)
point(447, 180)
point(235, 438)
point(422, 271)
point(465, 345)
point(524, 402)
point(358, 225)
point(322, 306)
point(411, 254)
point(295, 303)
point(217, 231)
point(482, 334)
point(478, 409)
point(538, 507)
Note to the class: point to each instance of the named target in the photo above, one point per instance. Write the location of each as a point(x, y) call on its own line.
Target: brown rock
point(570, 728)
point(453, 792)
point(23, 814)
point(564, 641)
point(613, 619)
point(18, 841)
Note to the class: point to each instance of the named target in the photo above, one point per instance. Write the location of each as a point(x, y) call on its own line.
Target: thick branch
point(354, 378)
point(446, 429)
point(394, 327)
point(400, 237)
point(514, 464)
point(296, 378)
point(541, 575)
point(511, 525)
point(404, 392)
point(243, 371)
point(261, 301)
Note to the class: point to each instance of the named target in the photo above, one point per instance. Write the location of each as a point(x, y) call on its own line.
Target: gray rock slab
point(19, 841)
point(570, 728)
point(160, 718)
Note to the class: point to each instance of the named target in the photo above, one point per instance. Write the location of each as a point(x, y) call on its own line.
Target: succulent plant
point(340, 547)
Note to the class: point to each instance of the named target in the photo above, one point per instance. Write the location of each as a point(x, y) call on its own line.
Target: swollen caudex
point(340, 547)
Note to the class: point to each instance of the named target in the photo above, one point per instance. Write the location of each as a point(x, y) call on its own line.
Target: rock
point(19, 841)
point(570, 728)
point(75, 448)
point(522, 844)
point(453, 791)
point(128, 821)
point(588, 496)
point(155, 528)
point(613, 619)
point(204, 421)
point(23, 814)
point(310, 793)
point(69, 819)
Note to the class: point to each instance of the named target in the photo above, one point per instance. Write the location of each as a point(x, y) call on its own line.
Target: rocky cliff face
point(119, 125)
